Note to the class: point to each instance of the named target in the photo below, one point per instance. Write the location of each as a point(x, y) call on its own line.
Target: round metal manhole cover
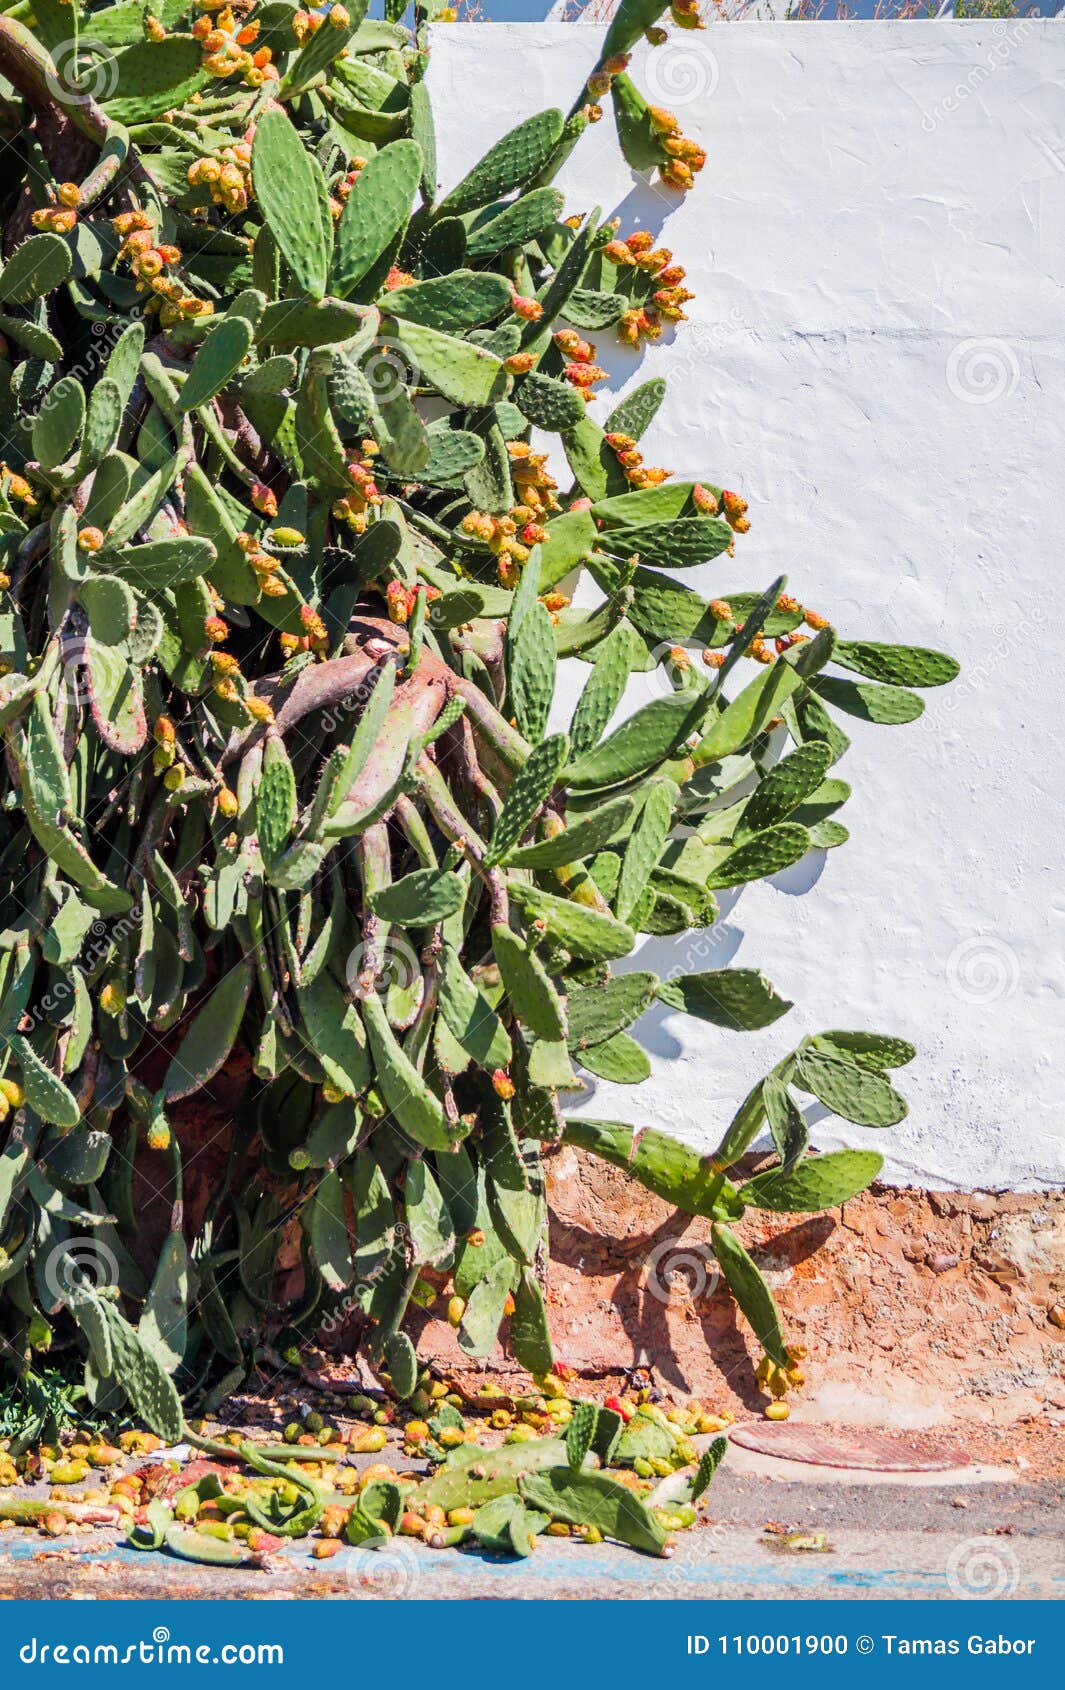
point(880, 1452)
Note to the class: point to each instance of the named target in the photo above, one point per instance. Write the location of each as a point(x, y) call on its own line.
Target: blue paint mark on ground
point(701, 1568)
point(563, 1567)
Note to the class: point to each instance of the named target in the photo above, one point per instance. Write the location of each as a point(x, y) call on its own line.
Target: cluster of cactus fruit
point(286, 584)
point(496, 1478)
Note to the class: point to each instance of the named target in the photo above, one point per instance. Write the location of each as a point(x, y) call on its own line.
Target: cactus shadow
point(725, 1342)
point(797, 1243)
point(661, 1337)
point(702, 948)
point(644, 1312)
point(815, 1113)
point(645, 206)
point(801, 876)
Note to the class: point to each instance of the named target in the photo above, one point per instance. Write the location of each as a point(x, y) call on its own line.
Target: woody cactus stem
point(285, 592)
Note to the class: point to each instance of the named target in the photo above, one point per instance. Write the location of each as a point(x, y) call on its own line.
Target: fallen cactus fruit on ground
point(303, 463)
point(234, 1501)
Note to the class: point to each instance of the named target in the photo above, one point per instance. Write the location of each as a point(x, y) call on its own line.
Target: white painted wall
point(876, 359)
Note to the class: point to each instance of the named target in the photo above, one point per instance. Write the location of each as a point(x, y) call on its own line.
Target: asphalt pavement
point(1000, 1540)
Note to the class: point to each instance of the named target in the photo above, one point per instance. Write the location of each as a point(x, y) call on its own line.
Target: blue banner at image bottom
point(675, 1643)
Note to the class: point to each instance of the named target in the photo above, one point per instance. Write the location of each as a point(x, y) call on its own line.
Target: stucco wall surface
point(876, 358)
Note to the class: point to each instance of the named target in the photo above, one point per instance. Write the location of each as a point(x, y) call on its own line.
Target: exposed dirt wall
point(917, 1308)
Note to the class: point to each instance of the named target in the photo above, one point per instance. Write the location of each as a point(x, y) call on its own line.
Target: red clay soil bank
point(918, 1309)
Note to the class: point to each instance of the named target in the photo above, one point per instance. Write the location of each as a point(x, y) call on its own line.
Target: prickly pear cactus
point(302, 463)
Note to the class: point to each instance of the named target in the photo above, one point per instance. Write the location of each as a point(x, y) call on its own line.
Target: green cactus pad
point(211, 1035)
point(593, 1499)
point(144, 1381)
point(785, 786)
point(416, 1109)
point(420, 899)
point(619, 1059)
point(309, 322)
point(787, 1123)
point(679, 544)
point(596, 1013)
point(37, 267)
point(528, 986)
point(518, 223)
point(580, 838)
point(509, 165)
point(738, 998)
point(452, 303)
point(858, 1094)
point(549, 404)
point(645, 847)
point(592, 311)
point(870, 1050)
point(820, 1182)
point(640, 743)
point(335, 1033)
point(375, 212)
point(530, 1339)
point(638, 409)
point(462, 372)
point(870, 701)
point(58, 424)
point(452, 453)
point(290, 189)
point(428, 1217)
point(585, 932)
point(763, 854)
point(152, 77)
point(531, 789)
point(751, 1292)
point(219, 357)
point(665, 1166)
point(900, 665)
point(748, 714)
